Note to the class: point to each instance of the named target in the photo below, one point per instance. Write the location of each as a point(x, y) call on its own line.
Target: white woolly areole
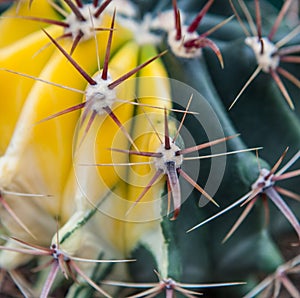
point(169, 283)
point(141, 30)
point(177, 45)
point(263, 181)
point(266, 60)
point(166, 21)
point(99, 96)
point(124, 7)
point(58, 252)
point(168, 155)
point(86, 27)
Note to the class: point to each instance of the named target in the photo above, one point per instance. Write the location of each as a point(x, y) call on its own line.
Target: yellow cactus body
point(109, 224)
point(34, 161)
point(108, 132)
point(144, 217)
point(13, 27)
point(93, 146)
point(20, 56)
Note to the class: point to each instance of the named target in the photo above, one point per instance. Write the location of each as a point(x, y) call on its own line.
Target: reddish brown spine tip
point(175, 214)
point(71, 60)
point(75, 10)
point(101, 8)
point(195, 23)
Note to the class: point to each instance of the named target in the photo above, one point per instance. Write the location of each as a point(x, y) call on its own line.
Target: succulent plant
point(131, 134)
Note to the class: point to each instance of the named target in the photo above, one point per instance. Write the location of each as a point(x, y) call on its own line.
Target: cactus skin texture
point(103, 190)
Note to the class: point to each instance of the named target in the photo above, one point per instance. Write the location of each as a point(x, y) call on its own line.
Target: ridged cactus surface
point(149, 148)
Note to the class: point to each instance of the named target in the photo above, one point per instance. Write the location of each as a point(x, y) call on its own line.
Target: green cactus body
point(124, 166)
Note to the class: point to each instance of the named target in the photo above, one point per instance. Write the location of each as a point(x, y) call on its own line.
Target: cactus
point(141, 145)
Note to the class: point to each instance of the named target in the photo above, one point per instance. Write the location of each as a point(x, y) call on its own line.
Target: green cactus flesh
point(149, 148)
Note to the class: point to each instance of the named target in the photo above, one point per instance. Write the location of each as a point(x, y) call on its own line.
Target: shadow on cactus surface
point(115, 115)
